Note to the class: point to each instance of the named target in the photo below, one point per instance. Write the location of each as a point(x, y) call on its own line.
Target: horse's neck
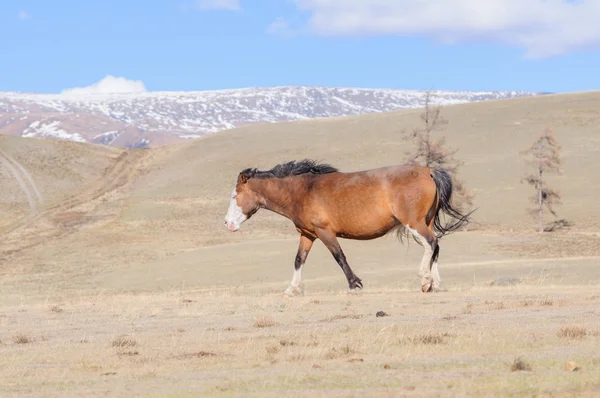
point(276, 194)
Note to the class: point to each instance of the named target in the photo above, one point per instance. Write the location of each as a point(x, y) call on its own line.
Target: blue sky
point(48, 46)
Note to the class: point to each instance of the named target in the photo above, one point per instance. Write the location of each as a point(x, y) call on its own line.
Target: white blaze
point(235, 216)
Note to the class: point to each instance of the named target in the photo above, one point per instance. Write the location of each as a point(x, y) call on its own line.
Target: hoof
point(293, 291)
point(428, 287)
point(356, 283)
point(355, 291)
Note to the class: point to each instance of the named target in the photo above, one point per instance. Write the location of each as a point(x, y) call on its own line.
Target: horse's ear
point(242, 178)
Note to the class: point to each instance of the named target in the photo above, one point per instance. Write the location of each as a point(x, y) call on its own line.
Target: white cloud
point(24, 15)
point(232, 5)
point(543, 28)
point(280, 27)
point(109, 84)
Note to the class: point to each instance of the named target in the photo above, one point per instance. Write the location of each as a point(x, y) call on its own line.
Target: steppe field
point(118, 277)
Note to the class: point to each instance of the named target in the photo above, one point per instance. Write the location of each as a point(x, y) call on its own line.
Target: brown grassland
point(118, 278)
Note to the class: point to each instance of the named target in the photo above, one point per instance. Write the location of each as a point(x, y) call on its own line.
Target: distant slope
point(156, 118)
point(36, 174)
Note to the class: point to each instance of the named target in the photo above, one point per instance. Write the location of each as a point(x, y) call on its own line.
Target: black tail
point(443, 183)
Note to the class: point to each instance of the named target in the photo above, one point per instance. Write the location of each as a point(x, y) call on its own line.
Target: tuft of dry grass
point(343, 351)
point(429, 338)
point(128, 353)
point(339, 317)
point(469, 309)
point(285, 343)
point(22, 339)
point(495, 305)
point(199, 354)
point(272, 349)
point(124, 341)
point(520, 365)
point(56, 308)
point(264, 322)
point(526, 303)
point(571, 332)
point(546, 302)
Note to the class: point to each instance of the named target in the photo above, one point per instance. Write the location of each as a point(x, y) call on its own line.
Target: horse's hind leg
point(428, 240)
point(329, 239)
point(437, 281)
point(304, 247)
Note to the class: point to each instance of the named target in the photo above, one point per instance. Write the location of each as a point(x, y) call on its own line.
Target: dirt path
point(26, 232)
point(12, 165)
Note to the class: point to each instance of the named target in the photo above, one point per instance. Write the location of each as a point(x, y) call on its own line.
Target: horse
point(326, 204)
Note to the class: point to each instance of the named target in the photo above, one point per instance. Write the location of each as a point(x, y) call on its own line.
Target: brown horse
point(326, 204)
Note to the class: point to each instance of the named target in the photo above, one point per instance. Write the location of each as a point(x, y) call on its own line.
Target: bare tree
point(432, 152)
point(544, 156)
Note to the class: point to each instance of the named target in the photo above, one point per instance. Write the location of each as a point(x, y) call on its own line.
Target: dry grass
point(546, 302)
point(264, 322)
point(520, 365)
point(124, 341)
point(526, 303)
point(571, 332)
point(56, 308)
point(495, 305)
point(22, 339)
point(337, 352)
point(251, 361)
point(339, 317)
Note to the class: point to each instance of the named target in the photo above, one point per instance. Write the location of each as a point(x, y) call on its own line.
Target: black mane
point(291, 168)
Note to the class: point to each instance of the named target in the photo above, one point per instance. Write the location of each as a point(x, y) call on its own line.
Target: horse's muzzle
point(231, 226)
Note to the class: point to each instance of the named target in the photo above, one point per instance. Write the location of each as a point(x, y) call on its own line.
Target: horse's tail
point(443, 184)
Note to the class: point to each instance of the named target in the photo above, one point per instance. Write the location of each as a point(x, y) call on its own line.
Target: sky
point(182, 45)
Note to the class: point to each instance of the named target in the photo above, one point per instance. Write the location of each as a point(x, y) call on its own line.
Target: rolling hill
point(156, 118)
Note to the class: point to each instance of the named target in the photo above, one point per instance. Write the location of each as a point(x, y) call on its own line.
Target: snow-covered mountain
point(156, 118)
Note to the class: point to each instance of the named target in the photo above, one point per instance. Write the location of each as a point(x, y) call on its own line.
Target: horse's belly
point(366, 227)
point(360, 213)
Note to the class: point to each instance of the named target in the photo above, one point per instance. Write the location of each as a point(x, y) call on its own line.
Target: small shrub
point(124, 341)
point(519, 365)
point(546, 302)
point(264, 322)
point(526, 303)
point(571, 332)
point(271, 349)
point(430, 338)
point(339, 352)
point(22, 339)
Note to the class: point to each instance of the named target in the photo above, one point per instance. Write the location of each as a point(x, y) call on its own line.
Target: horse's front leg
point(331, 242)
point(296, 288)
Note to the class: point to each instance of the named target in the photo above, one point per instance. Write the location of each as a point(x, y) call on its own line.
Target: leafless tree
point(432, 152)
point(544, 156)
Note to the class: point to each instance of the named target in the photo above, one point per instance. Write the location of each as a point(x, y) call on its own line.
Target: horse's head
point(243, 204)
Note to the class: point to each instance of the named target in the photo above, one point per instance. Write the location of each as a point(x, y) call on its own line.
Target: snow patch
point(50, 130)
